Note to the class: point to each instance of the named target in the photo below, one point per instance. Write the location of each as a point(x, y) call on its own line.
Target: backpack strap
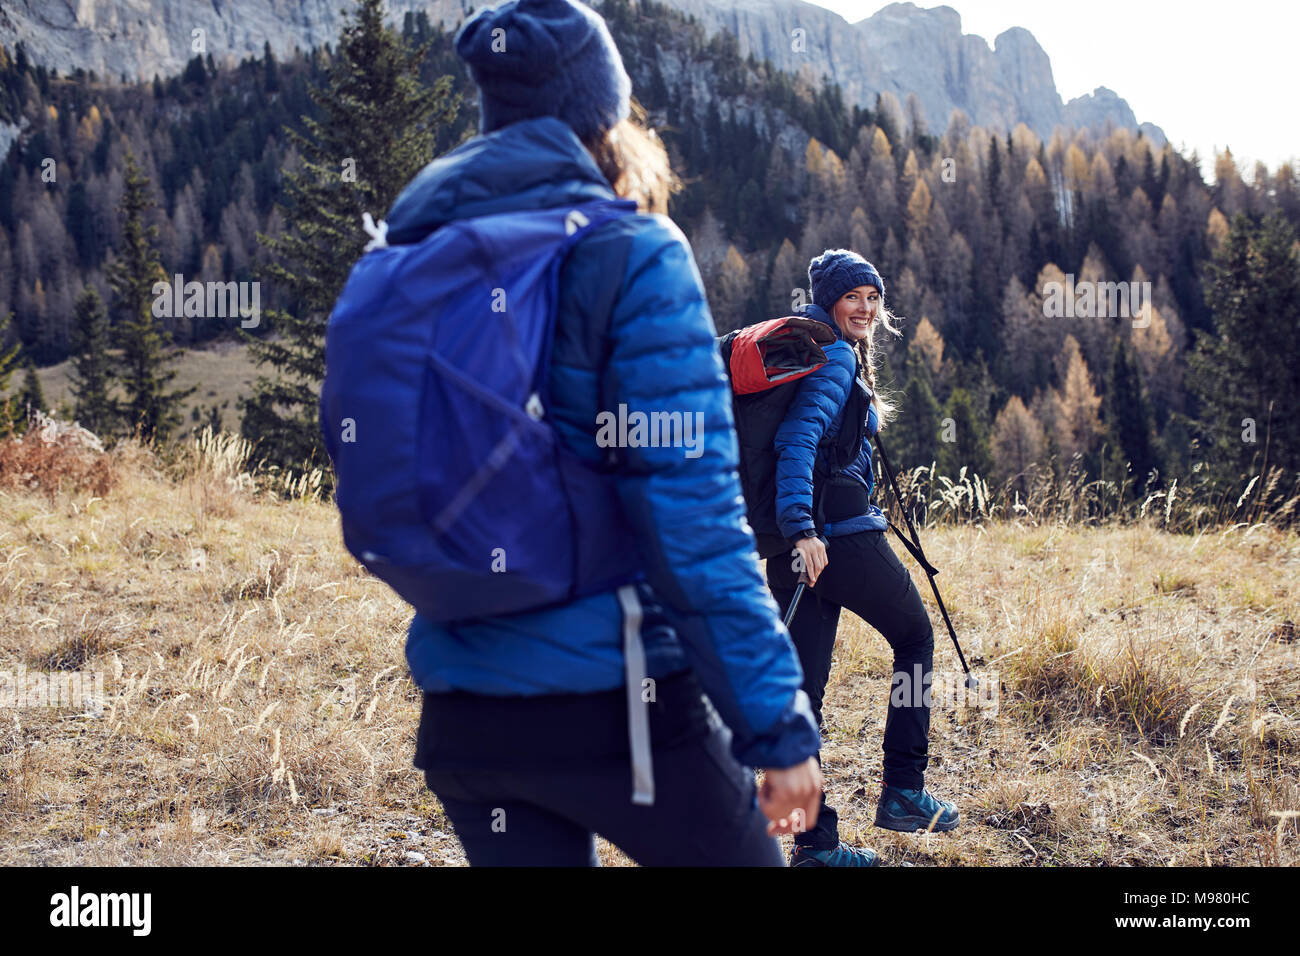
point(841, 451)
point(580, 223)
point(602, 307)
point(638, 713)
point(634, 659)
point(848, 443)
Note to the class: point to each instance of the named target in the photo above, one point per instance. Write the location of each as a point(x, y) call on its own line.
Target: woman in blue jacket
point(857, 569)
point(524, 733)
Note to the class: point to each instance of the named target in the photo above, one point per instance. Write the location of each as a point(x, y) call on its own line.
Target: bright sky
point(1209, 74)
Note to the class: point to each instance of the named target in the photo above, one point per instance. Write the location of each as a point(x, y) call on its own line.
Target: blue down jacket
point(634, 329)
point(817, 411)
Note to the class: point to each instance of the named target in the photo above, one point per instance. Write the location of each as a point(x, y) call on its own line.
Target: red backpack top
point(775, 352)
point(763, 362)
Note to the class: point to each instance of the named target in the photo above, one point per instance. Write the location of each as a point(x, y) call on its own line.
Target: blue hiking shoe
point(911, 810)
point(842, 855)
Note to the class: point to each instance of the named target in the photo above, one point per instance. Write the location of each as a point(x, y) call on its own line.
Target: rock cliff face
point(139, 38)
point(906, 49)
point(902, 49)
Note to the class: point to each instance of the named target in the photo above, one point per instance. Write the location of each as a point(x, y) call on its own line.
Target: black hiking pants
point(528, 781)
point(864, 575)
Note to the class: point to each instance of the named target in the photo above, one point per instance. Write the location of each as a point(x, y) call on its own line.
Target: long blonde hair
point(867, 358)
point(633, 158)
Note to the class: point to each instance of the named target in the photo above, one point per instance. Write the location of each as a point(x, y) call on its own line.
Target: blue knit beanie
point(535, 58)
point(836, 271)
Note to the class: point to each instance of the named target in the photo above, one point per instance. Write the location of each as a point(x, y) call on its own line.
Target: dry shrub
point(1143, 684)
point(20, 768)
point(52, 456)
point(310, 767)
point(1134, 683)
point(219, 456)
point(272, 572)
point(1274, 717)
point(1033, 817)
point(288, 484)
point(218, 471)
point(1064, 493)
point(213, 469)
point(84, 645)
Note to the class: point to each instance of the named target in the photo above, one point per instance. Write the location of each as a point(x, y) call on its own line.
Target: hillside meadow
point(257, 707)
point(223, 372)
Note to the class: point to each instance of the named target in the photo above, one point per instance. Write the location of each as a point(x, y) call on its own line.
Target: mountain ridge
point(996, 85)
point(899, 50)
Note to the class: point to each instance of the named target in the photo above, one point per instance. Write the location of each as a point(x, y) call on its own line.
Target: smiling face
point(855, 311)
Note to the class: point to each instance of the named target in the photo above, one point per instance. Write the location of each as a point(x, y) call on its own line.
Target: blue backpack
point(452, 486)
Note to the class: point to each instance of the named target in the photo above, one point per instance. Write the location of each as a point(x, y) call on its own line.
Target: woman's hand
point(791, 797)
point(813, 552)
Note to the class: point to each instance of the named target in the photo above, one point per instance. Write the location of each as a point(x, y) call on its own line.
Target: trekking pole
point(914, 546)
point(794, 603)
point(798, 593)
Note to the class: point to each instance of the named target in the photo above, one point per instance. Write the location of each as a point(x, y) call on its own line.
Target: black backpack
point(764, 363)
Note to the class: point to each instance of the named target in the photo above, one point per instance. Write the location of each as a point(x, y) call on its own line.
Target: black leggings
point(864, 575)
point(554, 770)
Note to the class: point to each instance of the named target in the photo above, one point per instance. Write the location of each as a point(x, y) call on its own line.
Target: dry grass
point(1138, 724)
point(258, 708)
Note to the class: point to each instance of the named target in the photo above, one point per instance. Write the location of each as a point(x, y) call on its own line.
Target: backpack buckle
point(575, 221)
point(534, 407)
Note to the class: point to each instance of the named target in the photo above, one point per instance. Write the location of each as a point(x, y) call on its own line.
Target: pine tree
point(149, 405)
point(92, 373)
point(377, 128)
point(195, 73)
point(1129, 416)
point(10, 409)
point(915, 433)
point(1247, 374)
point(271, 71)
point(970, 447)
point(32, 397)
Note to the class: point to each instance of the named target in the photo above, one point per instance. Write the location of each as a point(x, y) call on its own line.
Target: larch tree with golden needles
point(734, 287)
point(789, 273)
point(1079, 428)
point(1018, 442)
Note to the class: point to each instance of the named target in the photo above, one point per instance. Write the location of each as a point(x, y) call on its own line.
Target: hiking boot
point(842, 855)
point(911, 810)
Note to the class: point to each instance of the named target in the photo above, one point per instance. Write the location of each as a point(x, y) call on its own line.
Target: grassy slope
point(259, 709)
point(223, 371)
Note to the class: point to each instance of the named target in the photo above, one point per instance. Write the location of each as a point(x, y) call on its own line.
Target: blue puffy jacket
point(817, 412)
point(633, 328)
